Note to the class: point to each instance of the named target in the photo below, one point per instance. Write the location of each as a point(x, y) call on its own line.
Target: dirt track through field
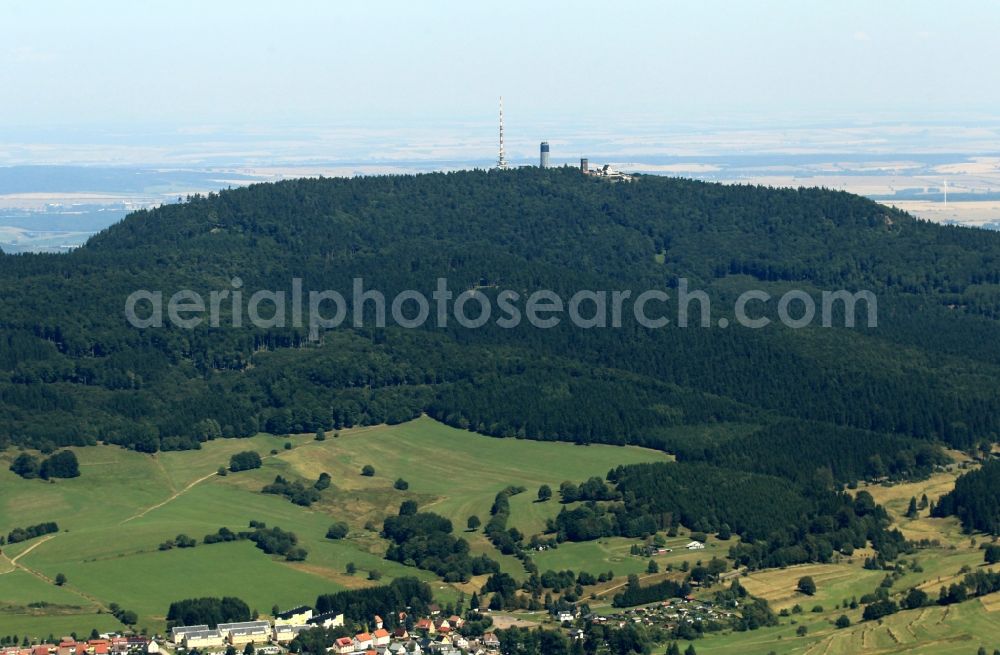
point(171, 498)
point(16, 564)
point(13, 561)
point(174, 496)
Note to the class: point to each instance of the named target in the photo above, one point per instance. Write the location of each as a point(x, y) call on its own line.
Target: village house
point(381, 637)
point(362, 641)
point(68, 646)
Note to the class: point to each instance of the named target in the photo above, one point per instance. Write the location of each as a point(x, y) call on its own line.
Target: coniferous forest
point(975, 500)
point(861, 402)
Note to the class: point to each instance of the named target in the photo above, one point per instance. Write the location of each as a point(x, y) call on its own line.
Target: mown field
point(124, 504)
point(952, 630)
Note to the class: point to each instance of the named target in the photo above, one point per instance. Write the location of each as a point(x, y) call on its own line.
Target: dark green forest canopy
point(975, 500)
point(72, 371)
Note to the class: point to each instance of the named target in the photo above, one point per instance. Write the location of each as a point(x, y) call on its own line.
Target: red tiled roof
point(381, 633)
point(363, 636)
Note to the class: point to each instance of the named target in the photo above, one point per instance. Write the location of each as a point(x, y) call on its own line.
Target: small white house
point(696, 545)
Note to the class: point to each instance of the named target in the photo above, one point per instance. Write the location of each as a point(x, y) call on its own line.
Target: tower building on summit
point(501, 160)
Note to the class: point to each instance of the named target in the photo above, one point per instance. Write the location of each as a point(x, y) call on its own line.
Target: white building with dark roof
point(285, 633)
point(326, 620)
point(201, 639)
point(295, 616)
point(177, 632)
point(246, 632)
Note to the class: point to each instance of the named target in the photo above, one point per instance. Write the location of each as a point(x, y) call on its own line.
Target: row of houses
point(434, 636)
point(442, 644)
point(238, 635)
point(107, 645)
point(438, 635)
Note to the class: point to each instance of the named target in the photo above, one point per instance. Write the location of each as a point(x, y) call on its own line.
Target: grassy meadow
point(124, 504)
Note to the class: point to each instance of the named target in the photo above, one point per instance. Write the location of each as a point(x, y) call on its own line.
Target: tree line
point(975, 500)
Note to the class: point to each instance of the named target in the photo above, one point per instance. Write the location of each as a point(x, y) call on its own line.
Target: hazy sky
point(128, 64)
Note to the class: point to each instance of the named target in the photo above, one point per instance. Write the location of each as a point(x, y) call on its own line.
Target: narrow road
point(44, 578)
point(171, 498)
point(13, 561)
point(190, 486)
point(31, 548)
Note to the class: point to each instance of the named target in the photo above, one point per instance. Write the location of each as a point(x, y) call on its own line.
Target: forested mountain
point(73, 371)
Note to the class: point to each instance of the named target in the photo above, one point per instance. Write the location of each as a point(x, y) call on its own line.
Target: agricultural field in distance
point(113, 517)
point(952, 630)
